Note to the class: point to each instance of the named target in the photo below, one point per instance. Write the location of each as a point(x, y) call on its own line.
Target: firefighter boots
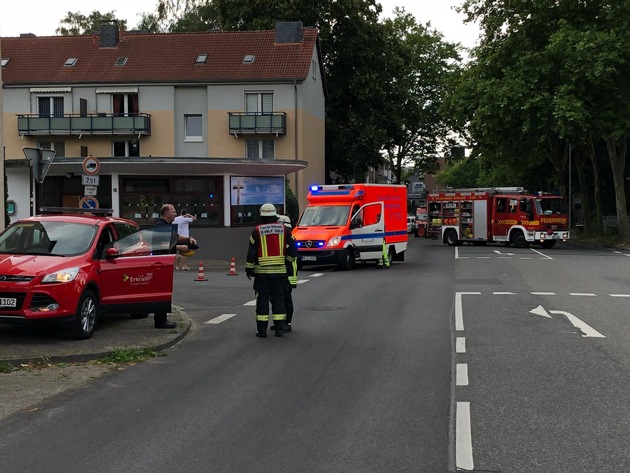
point(261, 329)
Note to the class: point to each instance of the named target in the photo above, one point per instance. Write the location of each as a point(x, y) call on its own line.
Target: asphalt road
point(456, 358)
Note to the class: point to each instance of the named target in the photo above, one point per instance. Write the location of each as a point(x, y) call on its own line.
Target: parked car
point(411, 224)
point(70, 266)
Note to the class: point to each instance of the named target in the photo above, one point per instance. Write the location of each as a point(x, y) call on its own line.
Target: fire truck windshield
point(550, 206)
point(325, 215)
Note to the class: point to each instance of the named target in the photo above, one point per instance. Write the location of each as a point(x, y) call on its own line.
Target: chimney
point(289, 32)
point(109, 34)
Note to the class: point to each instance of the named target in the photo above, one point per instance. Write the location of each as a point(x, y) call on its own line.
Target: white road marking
point(540, 310)
point(461, 374)
point(507, 293)
point(459, 317)
point(220, 318)
point(525, 258)
point(483, 257)
point(463, 438)
point(499, 253)
point(543, 293)
point(586, 329)
point(316, 275)
point(585, 294)
point(505, 257)
point(619, 295)
point(460, 345)
point(302, 281)
point(251, 302)
point(541, 254)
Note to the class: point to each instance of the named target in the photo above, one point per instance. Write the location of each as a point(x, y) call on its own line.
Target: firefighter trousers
point(269, 289)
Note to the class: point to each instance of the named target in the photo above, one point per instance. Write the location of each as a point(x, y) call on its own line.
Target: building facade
point(214, 122)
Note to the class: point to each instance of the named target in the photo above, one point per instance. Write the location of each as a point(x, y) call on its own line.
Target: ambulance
point(505, 215)
point(346, 224)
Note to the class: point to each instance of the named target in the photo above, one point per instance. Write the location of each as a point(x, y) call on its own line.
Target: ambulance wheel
point(348, 260)
point(451, 238)
point(518, 239)
point(548, 244)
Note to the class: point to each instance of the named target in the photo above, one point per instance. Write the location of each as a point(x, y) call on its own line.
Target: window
point(71, 61)
point(50, 106)
point(121, 61)
point(248, 59)
point(126, 148)
point(5, 61)
point(201, 59)
point(259, 103)
point(58, 146)
point(125, 104)
point(260, 149)
point(193, 125)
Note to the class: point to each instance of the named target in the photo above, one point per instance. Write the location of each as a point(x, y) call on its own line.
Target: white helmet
point(268, 210)
point(284, 220)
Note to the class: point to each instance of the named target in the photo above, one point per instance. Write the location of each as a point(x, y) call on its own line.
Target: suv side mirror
point(111, 253)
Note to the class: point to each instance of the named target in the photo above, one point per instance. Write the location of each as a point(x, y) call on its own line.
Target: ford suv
point(71, 265)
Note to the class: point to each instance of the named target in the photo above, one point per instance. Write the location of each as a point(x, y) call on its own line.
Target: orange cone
point(233, 268)
point(200, 274)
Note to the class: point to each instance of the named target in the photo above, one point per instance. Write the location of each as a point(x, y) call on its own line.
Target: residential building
point(213, 122)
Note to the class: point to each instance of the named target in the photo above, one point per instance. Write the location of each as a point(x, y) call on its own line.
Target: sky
point(42, 17)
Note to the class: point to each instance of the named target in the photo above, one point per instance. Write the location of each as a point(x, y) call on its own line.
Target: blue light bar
point(314, 188)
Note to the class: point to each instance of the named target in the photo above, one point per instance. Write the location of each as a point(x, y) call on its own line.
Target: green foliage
point(6, 367)
point(293, 207)
point(129, 355)
point(77, 24)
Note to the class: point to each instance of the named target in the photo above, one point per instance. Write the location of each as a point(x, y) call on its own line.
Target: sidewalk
point(20, 344)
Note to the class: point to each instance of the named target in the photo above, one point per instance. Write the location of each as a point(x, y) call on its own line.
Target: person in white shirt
point(183, 220)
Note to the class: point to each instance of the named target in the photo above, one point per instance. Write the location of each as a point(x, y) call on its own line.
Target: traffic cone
point(233, 268)
point(200, 274)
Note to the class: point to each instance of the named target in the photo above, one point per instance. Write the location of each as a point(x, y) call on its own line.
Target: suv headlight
point(64, 275)
point(334, 241)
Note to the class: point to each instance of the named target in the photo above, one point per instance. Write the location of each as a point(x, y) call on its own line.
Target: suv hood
point(32, 265)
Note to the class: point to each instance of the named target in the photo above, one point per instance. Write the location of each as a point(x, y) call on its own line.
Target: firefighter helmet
point(268, 210)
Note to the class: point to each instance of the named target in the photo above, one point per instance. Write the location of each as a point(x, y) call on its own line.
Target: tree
point(417, 128)
point(77, 24)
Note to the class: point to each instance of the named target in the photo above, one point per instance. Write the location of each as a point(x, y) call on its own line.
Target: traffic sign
point(41, 159)
point(90, 180)
point(88, 202)
point(90, 190)
point(91, 166)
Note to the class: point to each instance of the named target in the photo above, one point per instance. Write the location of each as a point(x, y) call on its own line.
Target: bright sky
point(42, 17)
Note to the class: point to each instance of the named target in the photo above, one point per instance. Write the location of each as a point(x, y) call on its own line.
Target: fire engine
point(500, 214)
point(347, 223)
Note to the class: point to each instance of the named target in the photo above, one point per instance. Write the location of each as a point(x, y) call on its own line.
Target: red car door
point(137, 271)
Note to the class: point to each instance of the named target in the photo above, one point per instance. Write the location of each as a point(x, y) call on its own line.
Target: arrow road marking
point(586, 329)
point(499, 253)
point(540, 311)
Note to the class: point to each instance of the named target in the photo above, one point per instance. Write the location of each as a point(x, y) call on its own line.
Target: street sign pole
point(41, 160)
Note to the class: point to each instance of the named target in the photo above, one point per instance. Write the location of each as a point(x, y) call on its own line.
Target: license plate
point(309, 258)
point(8, 302)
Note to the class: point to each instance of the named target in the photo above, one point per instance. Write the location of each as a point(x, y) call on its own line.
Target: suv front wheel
point(84, 323)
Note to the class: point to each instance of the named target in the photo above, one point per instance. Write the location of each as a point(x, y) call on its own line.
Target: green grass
point(128, 355)
point(6, 367)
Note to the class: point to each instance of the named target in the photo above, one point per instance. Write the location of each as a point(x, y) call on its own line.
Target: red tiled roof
point(157, 58)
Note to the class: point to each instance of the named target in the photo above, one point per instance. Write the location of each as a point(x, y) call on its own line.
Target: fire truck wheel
point(451, 238)
point(348, 260)
point(518, 239)
point(548, 244)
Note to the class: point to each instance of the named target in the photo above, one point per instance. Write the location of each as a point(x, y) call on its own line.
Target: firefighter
point(270, 247)
point(384, 261)
point(291, 282)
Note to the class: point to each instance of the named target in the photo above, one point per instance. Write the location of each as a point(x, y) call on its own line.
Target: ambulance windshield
point(325, 215)
point(550, 206)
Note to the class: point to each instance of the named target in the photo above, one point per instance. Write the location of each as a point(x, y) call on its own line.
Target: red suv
point(69, 266)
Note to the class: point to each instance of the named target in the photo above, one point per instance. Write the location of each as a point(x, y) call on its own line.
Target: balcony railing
point(258, 123)
point(90, 124)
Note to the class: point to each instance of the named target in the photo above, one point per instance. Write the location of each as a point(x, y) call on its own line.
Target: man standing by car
point(167, 216)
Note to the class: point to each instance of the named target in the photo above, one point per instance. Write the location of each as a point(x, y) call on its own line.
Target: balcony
point(258, 123)
point(90, 124)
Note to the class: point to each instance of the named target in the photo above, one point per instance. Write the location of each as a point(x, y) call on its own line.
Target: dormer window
point(5, 61)
point(121, 61)
point(201, 59)
point(248, 59)
point(71, 61)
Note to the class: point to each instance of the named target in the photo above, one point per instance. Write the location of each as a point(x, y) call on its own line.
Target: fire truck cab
point(501, 215)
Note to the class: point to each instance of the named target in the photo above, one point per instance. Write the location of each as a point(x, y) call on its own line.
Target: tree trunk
point(580, 161)
point(617, 155)
point(597, 186)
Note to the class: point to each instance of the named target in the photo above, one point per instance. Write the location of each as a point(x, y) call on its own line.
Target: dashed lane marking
point(463, 438)
point(220, 318)
point(461, 374)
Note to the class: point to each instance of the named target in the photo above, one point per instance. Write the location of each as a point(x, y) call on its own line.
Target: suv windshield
point(47, 238)
point(325, 215)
